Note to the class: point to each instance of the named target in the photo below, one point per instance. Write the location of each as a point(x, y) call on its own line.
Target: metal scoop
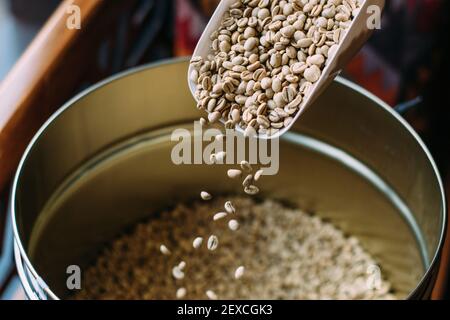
point(356, 35)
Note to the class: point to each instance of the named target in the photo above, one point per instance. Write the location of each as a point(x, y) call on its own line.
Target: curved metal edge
point(437, 255)
point(36, 137)
point(355, 165)
point(144, 67)
point(21, 272)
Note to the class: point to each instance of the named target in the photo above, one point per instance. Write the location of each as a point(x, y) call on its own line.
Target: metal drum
point(102, 163)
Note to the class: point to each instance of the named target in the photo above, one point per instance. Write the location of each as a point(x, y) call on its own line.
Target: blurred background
point(405, 64)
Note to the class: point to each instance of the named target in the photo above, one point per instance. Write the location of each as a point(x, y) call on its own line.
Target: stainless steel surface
point(102, 163)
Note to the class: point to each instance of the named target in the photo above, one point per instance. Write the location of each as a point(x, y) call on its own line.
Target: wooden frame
point(45, 73)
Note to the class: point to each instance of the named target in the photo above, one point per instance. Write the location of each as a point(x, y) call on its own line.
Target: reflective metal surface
point(102, 163)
